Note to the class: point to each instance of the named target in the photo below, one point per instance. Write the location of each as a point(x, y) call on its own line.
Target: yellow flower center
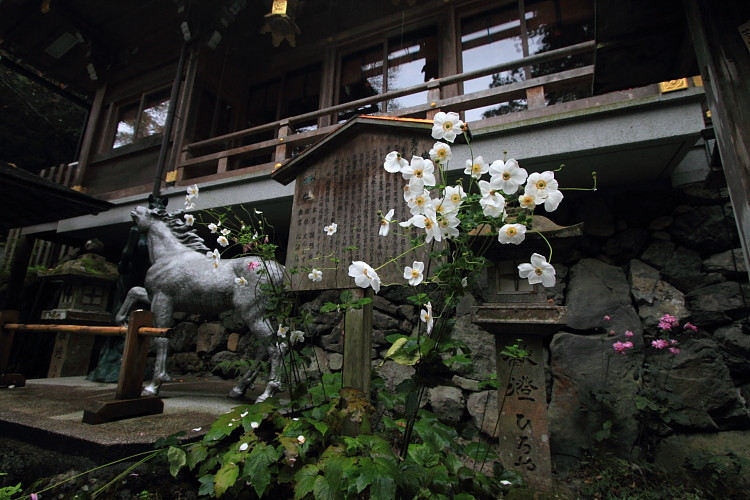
point(492, 192)
point(506, 176)
point(419, 200)
point(511, 231)
point(538, 271)
point(442, 153)
point(418, 173)
point(540, 184)
point(443, 223)
point(364, 271)
point(414, 273)
point(428, 224)
point(439, 209)
point(476, 168)
point(455, 198)
point(447, 126)
point(383, 222)
point(406, 188)
point(528, 200)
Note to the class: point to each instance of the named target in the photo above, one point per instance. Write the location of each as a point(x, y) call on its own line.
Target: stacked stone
point(644, 254)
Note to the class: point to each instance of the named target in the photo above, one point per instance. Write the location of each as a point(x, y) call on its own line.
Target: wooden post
point(6, 342)
point(535, 97)
point(21, 259)
point(358, 343)
point(284, 130)
point(128, 401)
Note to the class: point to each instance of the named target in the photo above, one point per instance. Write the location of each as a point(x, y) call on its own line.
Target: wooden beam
point(88, 137)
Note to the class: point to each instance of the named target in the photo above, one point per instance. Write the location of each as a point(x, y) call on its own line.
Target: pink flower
point(660, 344)
point(607, 318)
point(690, 326)
point(33, 496)
point(673, 341)
point(667, 322)
point(611, 332)
point(621, 347)
point(674, 350)
point(628, 334)
point(253, 265)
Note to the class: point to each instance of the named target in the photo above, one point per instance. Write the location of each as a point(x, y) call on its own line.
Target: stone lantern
point(86, 284)
point(518, 313)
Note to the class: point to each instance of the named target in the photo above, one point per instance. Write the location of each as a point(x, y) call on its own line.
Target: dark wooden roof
point(26, 200)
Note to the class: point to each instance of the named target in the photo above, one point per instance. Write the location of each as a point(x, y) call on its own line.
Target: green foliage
point(7, 492)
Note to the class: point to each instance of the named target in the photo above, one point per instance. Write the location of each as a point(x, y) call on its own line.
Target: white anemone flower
point(385, 223)
point(254, 425)
point(454, 196)
point(193, 191)
point(511, 233)
point(214, 227)
point(222, 240)
point(440, 153)
point(414, 273)
point(527, 201)
point(226, 231)
point(428, 222)
point(448, 225)
point(541, 185)
point(426, 316)
point(331, 229)
point(188, 198)
point(394, 162)
point(552, 201)
point(421, 170)
point(214, 257)
point(296, 336)
point(446, 126)
point(507, 176)
point(240, 281)
point(411, 191)
point(301, 439)
point(364, 275)
point(493, 211)
point(190, 206)
point(464, 282)
point(478, 168)
point(281, 332)
point(244, 446)
point(316, 274)
point(491, 195)
point(420, 202)
point(539, 271)
point(189, 220)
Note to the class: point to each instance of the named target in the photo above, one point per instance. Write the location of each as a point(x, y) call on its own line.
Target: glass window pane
point(412, 59)
point(302, 89)
point(361, 76)
point(125, 125)
point(154, 115)
point(488, 39)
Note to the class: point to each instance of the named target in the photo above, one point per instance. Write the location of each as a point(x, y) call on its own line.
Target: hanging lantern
point(280, 22)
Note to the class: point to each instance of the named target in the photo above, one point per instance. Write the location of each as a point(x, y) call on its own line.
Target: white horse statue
point(182, 278)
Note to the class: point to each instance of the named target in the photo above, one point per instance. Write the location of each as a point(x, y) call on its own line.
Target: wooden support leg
point(128, 402)
point(358, 352)
point(6, 342)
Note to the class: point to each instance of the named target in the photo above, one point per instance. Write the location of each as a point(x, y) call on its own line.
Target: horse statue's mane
point(184, 233)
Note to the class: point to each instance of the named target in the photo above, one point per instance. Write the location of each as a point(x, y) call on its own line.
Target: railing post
point(535, 97)
point(6, 343)
point(134, 355)
point(128, 401)
point(284, 130)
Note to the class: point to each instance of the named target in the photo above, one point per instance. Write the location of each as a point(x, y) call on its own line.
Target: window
point(408, 60)
point(142, 118)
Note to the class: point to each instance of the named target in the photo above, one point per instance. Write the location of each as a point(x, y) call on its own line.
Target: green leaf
point(207, 486)
point(423, 455)
point(480, 451)
point(256, 466)
point(383, 486)
point(322, 490)
point(198, 453)
point(225, 478)
point(401, 356)
point(305, 478)
point(366, 474)
point(177, 459)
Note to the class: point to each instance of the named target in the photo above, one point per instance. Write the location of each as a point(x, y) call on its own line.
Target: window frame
point(115, 117)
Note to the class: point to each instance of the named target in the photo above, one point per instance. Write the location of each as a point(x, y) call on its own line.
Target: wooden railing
point(218, 163)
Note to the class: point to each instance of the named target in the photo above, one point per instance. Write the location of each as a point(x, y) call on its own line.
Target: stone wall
point(644, 254)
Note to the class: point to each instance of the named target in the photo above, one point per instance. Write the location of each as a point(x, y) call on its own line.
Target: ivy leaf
point(305, 479)
point(225, 478)
point(177, 459)
point(322, 490)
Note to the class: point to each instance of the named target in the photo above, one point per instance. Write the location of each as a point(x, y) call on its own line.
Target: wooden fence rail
point(127, 401)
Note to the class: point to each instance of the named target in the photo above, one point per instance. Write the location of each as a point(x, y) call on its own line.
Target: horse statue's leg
point(275, 353)
point(134, 295)
point(162, 308)
point(247, 379)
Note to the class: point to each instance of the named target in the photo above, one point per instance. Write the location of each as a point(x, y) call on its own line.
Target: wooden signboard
point(341, 180)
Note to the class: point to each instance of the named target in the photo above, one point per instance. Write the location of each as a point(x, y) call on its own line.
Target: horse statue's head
point(145, 218)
